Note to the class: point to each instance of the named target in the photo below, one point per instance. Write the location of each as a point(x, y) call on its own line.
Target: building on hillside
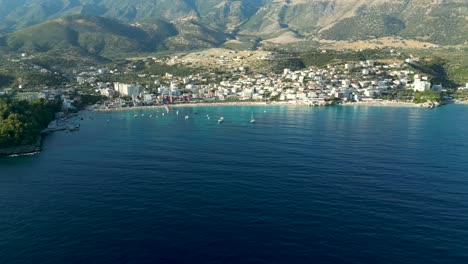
point(127, 89)
point(421, 86)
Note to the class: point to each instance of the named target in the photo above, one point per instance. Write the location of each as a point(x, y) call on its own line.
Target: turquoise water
point(301, 185)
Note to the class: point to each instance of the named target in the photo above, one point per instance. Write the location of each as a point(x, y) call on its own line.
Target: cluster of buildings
point(357, 81)
point(362, 81)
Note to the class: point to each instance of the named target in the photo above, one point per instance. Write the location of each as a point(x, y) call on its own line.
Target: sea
point(341, 184)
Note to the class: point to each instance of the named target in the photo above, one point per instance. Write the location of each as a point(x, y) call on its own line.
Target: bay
point(338, 184)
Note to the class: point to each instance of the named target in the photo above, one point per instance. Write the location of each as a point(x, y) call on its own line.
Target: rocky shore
point(430, 104)
point(63, 124)
point(22, 150)
point(381, 103)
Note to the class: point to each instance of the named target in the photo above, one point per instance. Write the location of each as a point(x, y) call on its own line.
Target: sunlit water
point(301, 185)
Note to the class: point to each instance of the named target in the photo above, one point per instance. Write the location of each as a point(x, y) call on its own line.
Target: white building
point(127, 89)
point(421, 86)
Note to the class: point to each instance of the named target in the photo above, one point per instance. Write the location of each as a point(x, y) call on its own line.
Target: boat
point(177, 112)
point(220, 120)
point(135, 116)
point(167, 109)
point(186, 117)
point(142, 114)
point(207, 116)
point(151, 116)
point(252, 119)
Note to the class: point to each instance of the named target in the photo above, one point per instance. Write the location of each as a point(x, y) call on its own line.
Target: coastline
point(382, 103)
point(22, 150)
point(465, 102)
point(35, 148)
point(370, 103)
point(196, 105)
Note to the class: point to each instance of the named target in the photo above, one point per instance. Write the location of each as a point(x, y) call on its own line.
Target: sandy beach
point(368, 103)
point(198, 105)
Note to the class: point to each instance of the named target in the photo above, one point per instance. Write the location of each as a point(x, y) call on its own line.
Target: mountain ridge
point(442, 22)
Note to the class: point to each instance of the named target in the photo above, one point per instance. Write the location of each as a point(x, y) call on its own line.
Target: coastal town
point(235, 80)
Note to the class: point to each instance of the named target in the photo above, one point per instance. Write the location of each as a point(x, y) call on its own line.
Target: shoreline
point(195, 105)
point(382, 103)
point(25, 150)
point(372, 103)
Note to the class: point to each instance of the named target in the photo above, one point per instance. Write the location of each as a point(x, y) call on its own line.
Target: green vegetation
point(21, 121)
point(202, 23)
point(278, 65)
point(6, 80)
point(426, 96)
point(461, 95)
point(444, 24)
point(365, 26)
point(87, 99)
point(402, 95)
point(106, 37)
point(320, 59)
point(451, 64)
point(156, 68)
point(436, 68)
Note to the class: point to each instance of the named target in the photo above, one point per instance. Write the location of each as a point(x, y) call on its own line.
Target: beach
point(197, 105)
point(291, 103)
point(382, 103)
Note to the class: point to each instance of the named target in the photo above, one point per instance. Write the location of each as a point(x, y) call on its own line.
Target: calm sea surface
point(302, 185)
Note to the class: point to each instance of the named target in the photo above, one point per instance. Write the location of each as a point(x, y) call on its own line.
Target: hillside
point(435, 21)
point(108, 37)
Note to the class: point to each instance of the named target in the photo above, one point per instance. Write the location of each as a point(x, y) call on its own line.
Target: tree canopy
point(21, 121)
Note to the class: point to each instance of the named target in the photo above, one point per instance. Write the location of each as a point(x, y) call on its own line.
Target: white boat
point(151, 116)
point(220, 120)
point(252, 119)
point(186, 117)
point(162, 114)
point(135, 116)
point(142, 114)
point(177, 112)
point(207, 116)
point(167, 109)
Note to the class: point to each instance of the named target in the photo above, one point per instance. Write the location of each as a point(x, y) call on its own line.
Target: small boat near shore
point(252, 119)
point(220, 120)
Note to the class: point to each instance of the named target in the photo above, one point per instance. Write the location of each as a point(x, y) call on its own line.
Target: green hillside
point(109, 37)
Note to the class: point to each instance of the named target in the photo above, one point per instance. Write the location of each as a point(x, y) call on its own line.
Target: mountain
point(226, 14)
point(437, 21)
point(105, 36)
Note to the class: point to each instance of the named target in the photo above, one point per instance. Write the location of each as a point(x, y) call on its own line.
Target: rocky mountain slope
point(436, 21)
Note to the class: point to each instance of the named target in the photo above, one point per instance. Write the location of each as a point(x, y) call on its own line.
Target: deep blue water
point(302, 185)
